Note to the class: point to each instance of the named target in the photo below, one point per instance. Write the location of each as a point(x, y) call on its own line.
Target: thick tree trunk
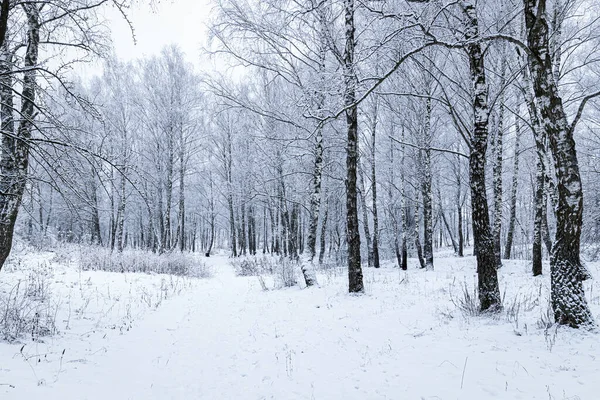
point(566, 270)
point(489, 292)
point(14, 160)
point(355, 276)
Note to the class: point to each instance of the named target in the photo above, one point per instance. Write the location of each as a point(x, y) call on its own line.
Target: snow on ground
point(226, 338)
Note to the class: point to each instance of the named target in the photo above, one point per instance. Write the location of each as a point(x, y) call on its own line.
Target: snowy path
point(227, 339)
point(197, 345)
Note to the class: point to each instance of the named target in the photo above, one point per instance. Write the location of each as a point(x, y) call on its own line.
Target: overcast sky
point(168, 21)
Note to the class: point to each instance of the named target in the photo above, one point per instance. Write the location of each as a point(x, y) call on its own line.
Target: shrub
point(26, 312)
point(283, 269)
point(285, 272)
point(253, 266)
point(467, 301)
point(172, 263)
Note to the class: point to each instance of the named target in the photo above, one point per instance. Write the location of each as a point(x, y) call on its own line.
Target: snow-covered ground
point(226, 338)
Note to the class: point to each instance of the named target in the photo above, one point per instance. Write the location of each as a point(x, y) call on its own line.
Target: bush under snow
point(172, 263)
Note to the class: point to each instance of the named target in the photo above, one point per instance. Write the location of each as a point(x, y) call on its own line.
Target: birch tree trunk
point(545, 228)
point(228, 160)
point(461, 241)
point(459, 207)
point(365, 213)
point(181, 191)
point(96, 236)
point(121, 212)
point(242, 231)
point(315, 199)
point(4, 11)
point(252, 232)
point(355, 276)
point(566, 270)
point(418, 246)
point(392, 206)
point(265, 232)
point(14, 160)
point(446, 224)
point(539, 205)
point(426, 191)
point(95, 228)
point(160, 202)
point(497, 169)
point(211, 206)
point(403, 210)
point(169, 189)
point(513, 192)
point(374, 186)
point(542, 177)
point(293, 232)
point(489, 292)
point(324, 231)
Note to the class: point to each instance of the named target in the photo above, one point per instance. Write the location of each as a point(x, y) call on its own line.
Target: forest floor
point(410, 336)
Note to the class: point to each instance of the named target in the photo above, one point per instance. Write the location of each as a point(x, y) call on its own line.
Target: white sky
point(166, 22)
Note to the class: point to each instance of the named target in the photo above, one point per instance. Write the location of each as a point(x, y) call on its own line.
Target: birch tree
point(566, 270)
point(355, 276)
point(489, 292)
